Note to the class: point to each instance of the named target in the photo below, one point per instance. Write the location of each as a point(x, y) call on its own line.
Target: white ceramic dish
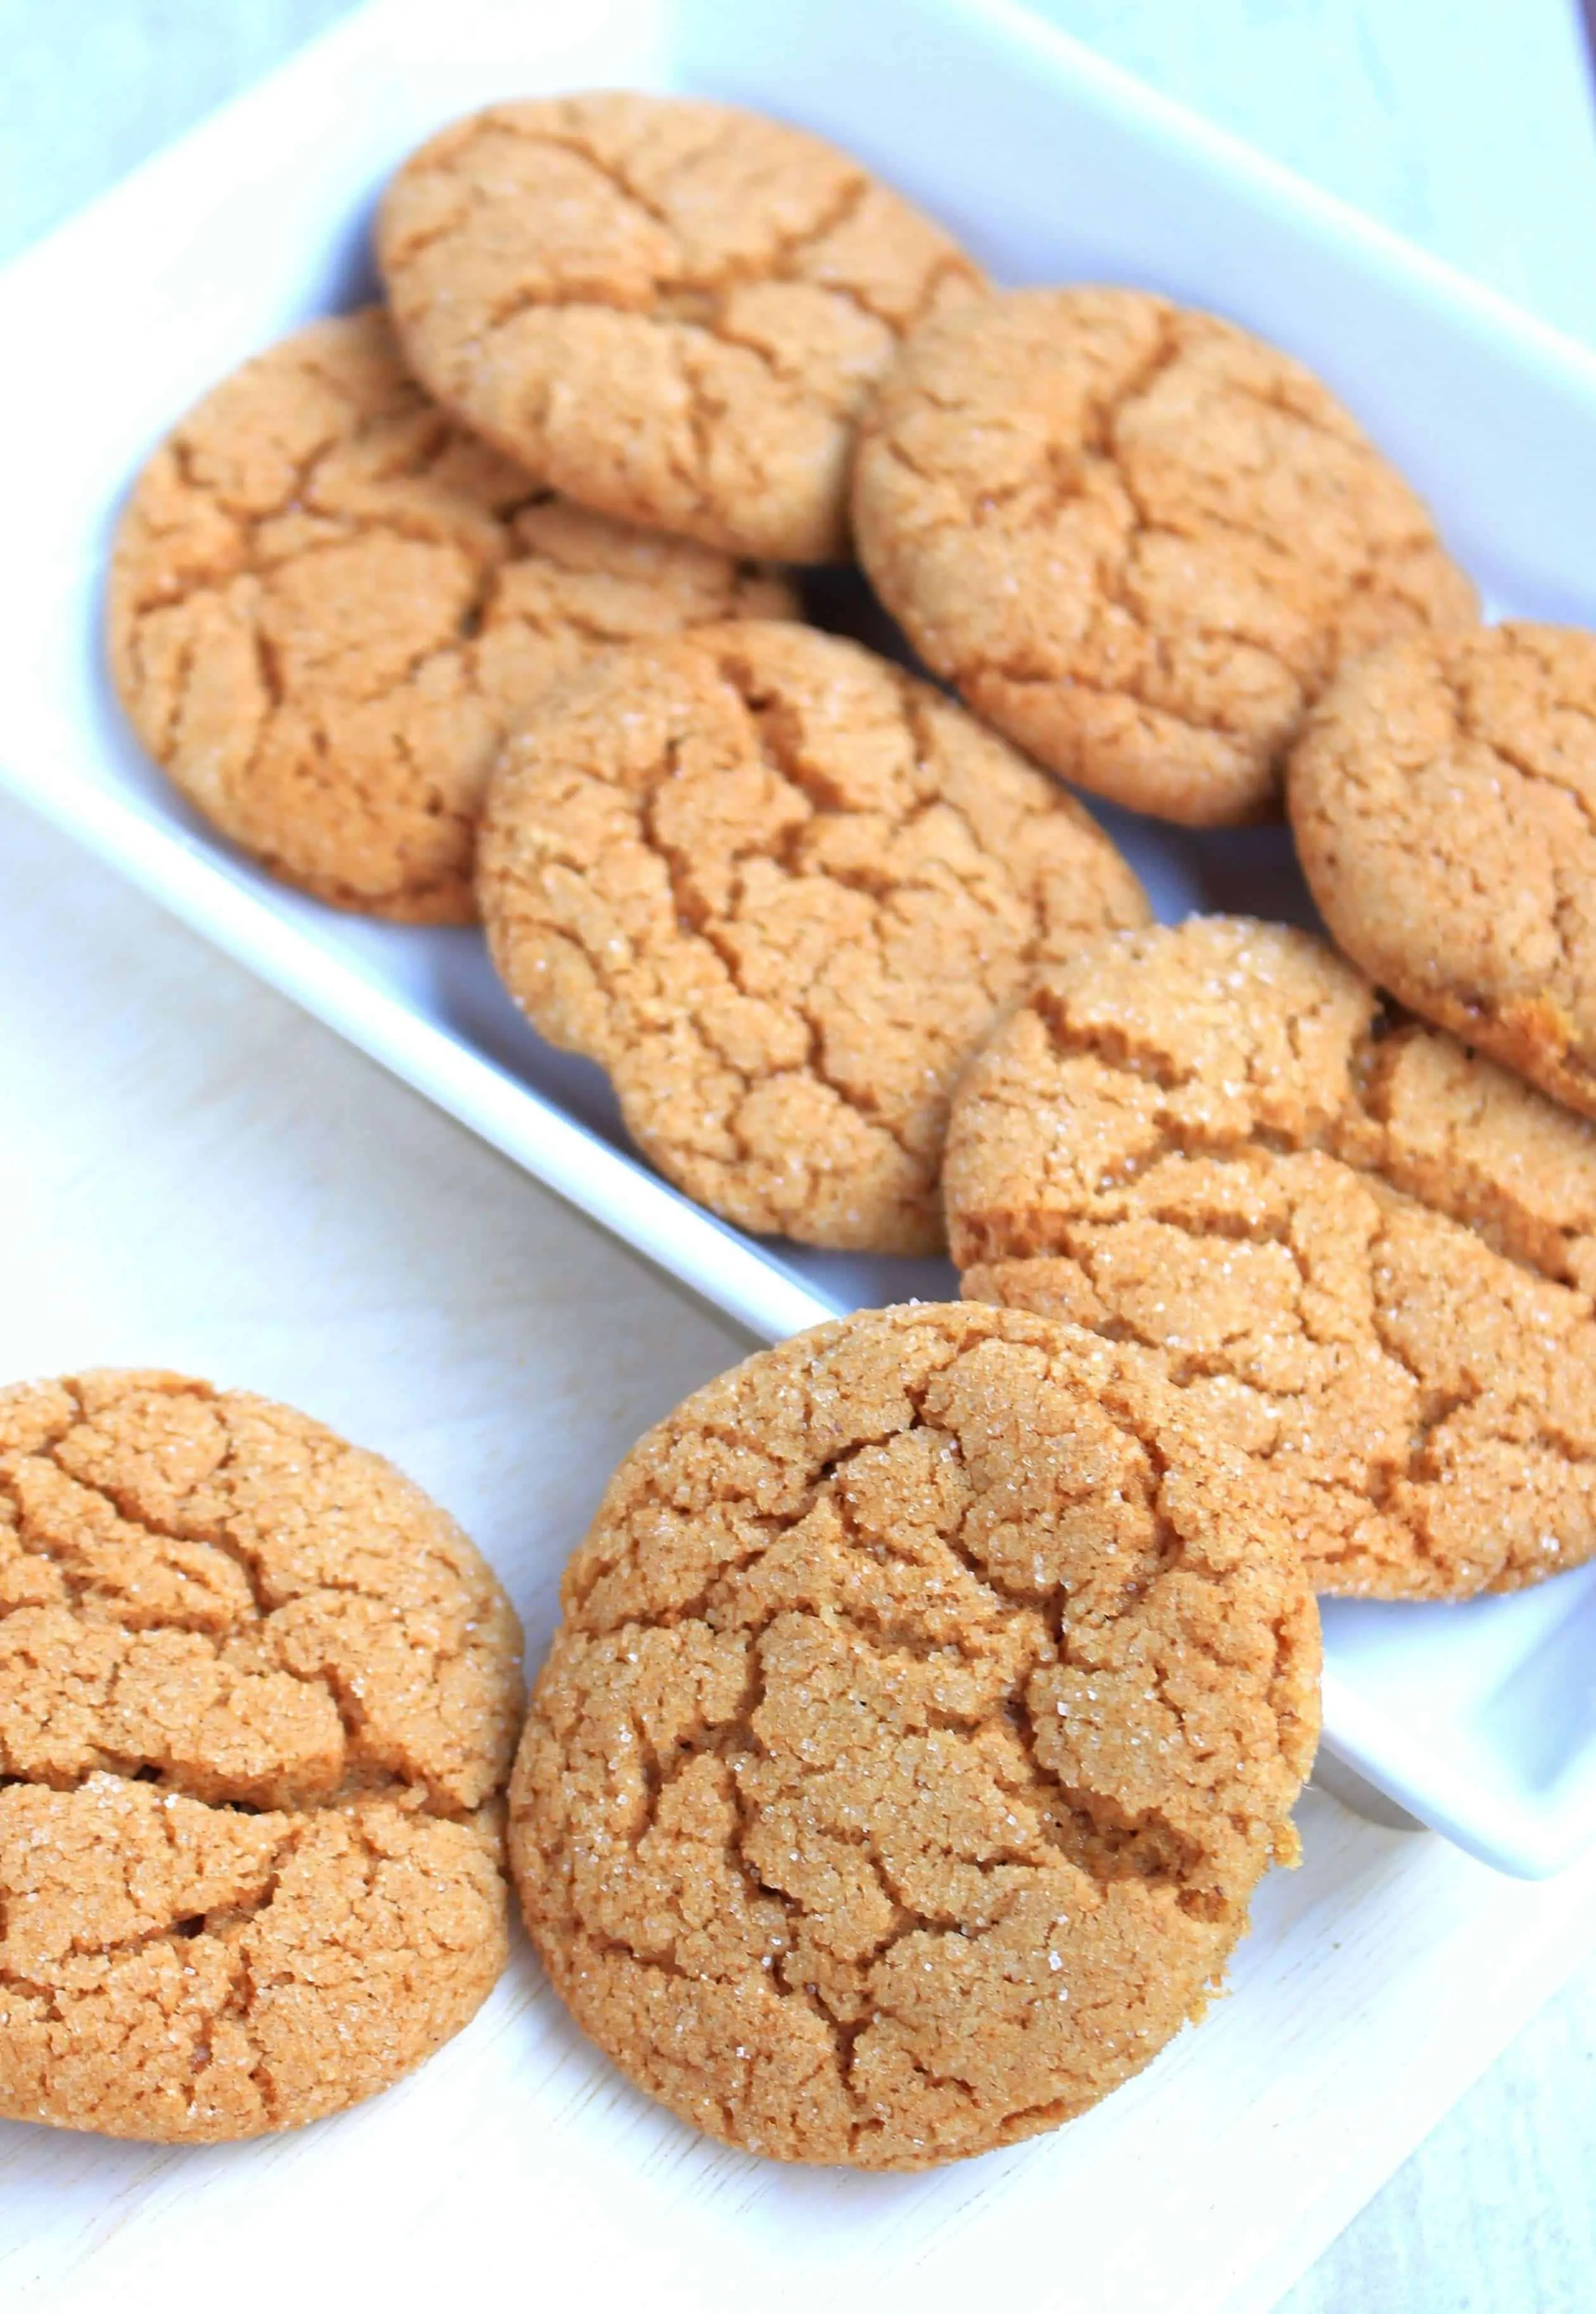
point(1481, 1719)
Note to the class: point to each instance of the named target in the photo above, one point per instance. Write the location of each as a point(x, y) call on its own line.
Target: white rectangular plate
point(1480, 1719)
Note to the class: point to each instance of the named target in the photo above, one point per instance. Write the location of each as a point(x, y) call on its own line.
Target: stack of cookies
point(929, 1701)
point(933, 1690)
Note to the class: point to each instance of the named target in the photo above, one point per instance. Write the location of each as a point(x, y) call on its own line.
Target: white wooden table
point(192, 1173)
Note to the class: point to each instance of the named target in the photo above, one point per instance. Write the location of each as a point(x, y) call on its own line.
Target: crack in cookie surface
point(926, 1708)
point(256, 1698)
point(1364, 1255)
point(1444, 804)
point(328, 604)
point(778, 890)
point(670, 309)
point(1136, 539)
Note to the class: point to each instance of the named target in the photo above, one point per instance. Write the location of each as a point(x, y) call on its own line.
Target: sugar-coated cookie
point(669, 309)
point(258, 1696)
point(777, 888)
point(1365, 1258)
point(1443, 798)
point(925, 1711)
point(1137, 539)
point(328, 600)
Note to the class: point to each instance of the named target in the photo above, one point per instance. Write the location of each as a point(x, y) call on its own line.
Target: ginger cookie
point(1364, 1257)
point(1137, 539)
point(1443, 800)
point(671, 310)
point(926, 1708)
point(777, 888)
point(328, 601)
point(256, 1698)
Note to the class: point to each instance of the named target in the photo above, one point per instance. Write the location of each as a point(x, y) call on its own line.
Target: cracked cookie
point(777, 888)
point(1364, 1257)
point(926, 1708)
point(671, 310)
point(256, 1698)
point(328, 601)
point(1443, 800)
point(1136, 539)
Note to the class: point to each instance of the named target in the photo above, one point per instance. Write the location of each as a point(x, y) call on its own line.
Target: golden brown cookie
point(1365, 1258)
point(256, 1698)
point(671, 310)
point(328, 601)
point(777, 888)
point(926, 1709)
point(1137, 539)
point(1443, 800)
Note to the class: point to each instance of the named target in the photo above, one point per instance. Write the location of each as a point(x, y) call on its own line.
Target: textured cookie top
point(924, 1713)
point(1137, 539)
point(671, 310)
point(777, 888)
point(328, 600)
point(254, 1692)
point(1444, 804)
point(1364, 1257)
